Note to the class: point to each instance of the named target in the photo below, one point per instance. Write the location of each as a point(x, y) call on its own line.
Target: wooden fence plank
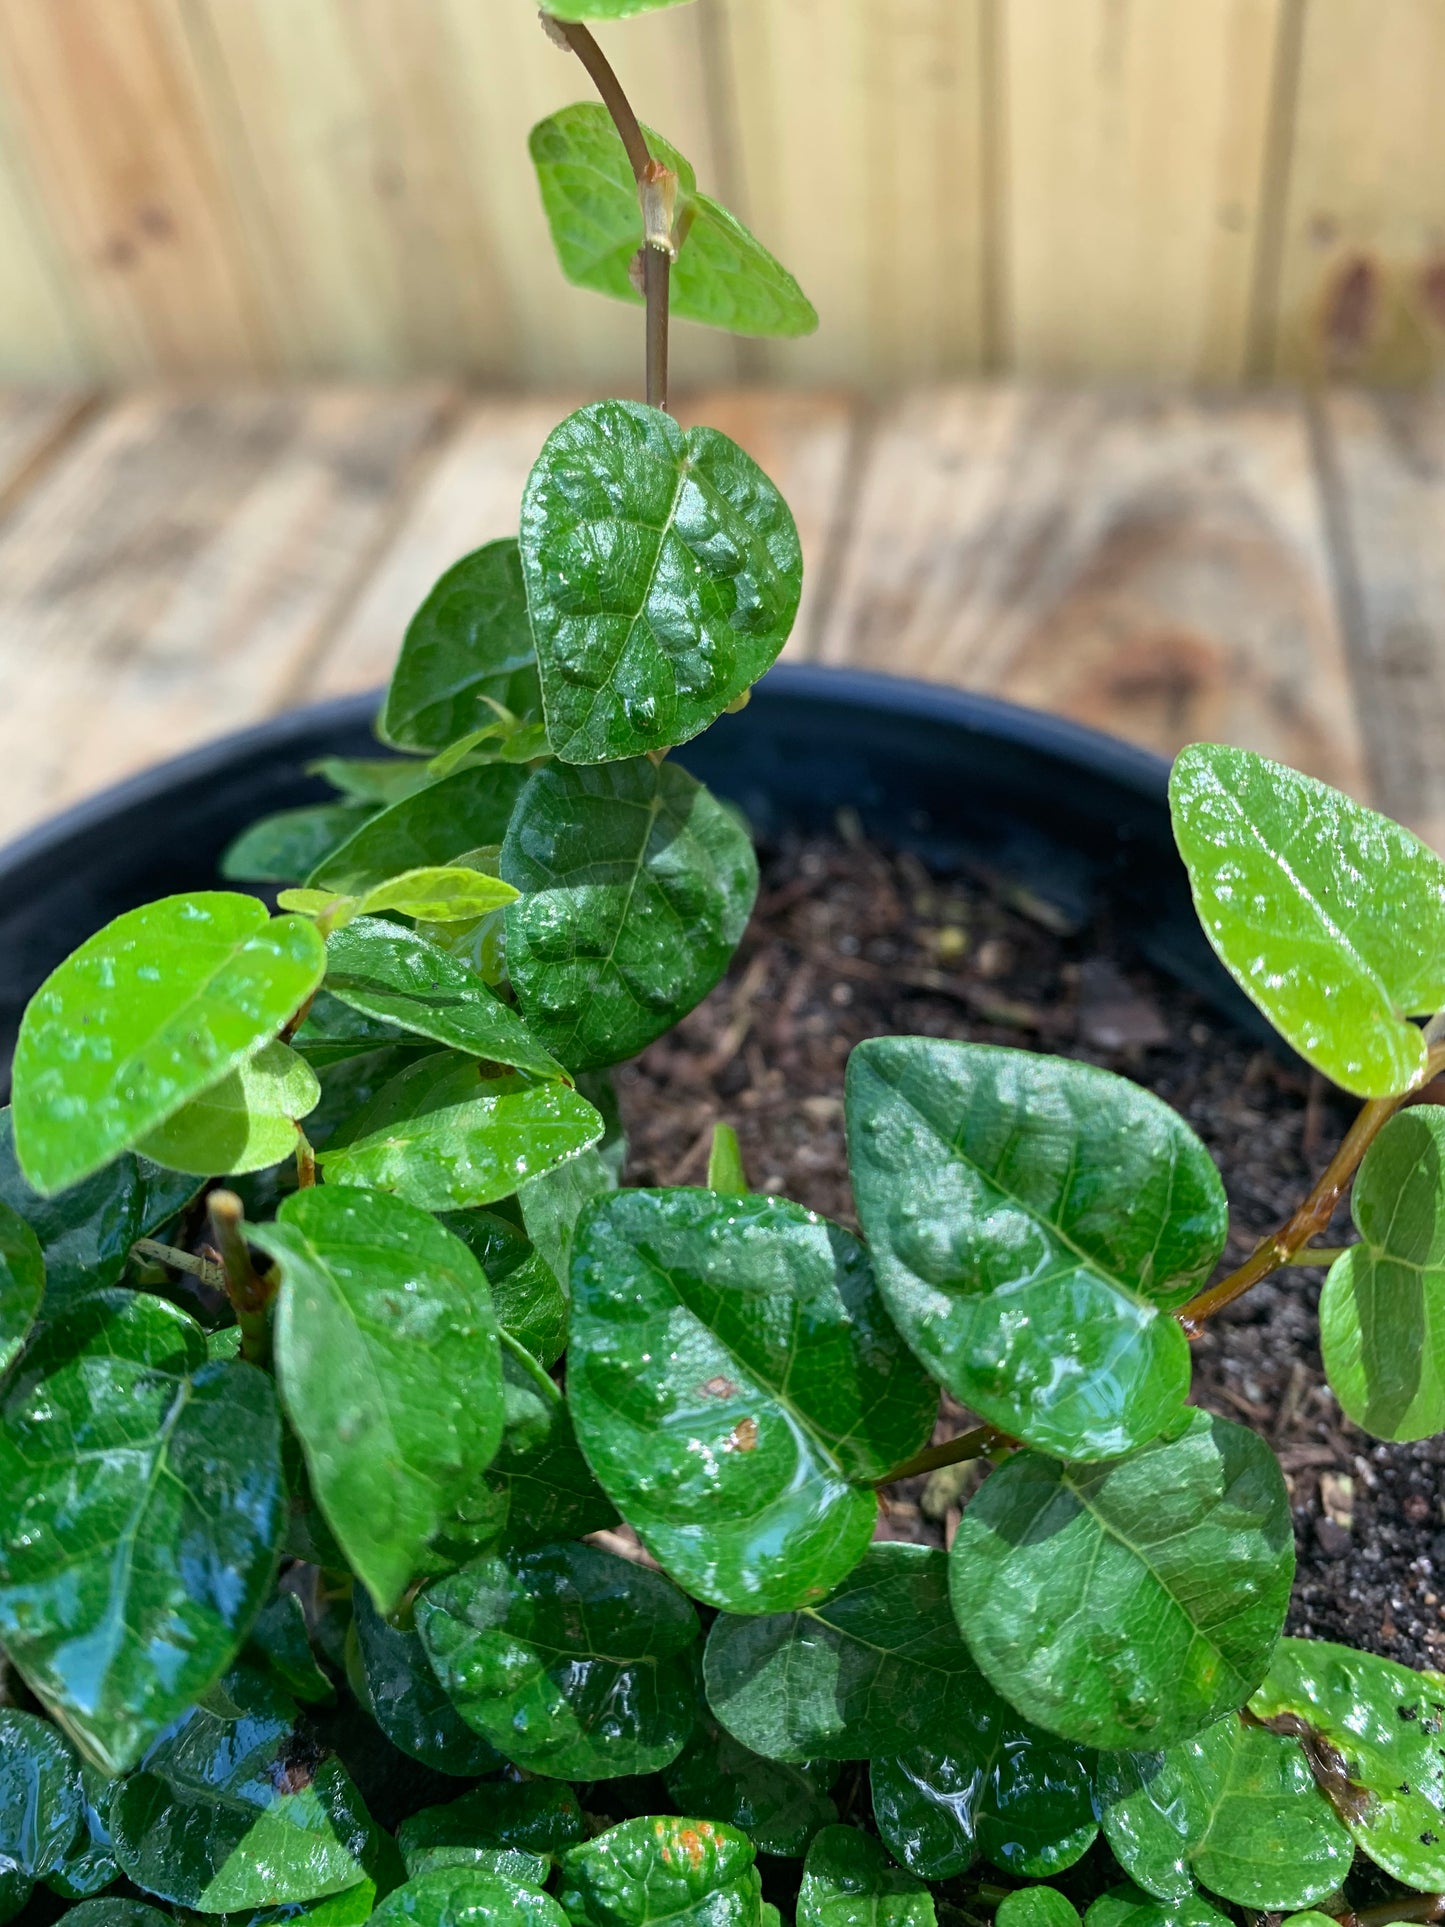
point(34, 422)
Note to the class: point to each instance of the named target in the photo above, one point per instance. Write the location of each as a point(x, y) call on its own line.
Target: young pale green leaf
point(1135, 1600)
point(573, 1662)
point(663, 575)
point(446, 893)
point(445, 1136)
point(41, 1806)
point(245, 1123)
point(22, 1283)
point(396, 976)
point(286, 847)
point(1235, 1808)
point(426, 830)
point(637, 886)
point(722, 277)
point(388, 1364)
point(154, 1009)
point(1127, 1906)
point(238, 1808)
point(687, 1873)
point(849, 1881)
point(737, 1387)
point(136, 1476)
point(1329, 916)
point(1034, 1221)
point(552, 1204)
point(606, 9)
point(877, 1667)
point(779, 1806)
point(725, 1162)
point(1382, 1310)
point(467, 647)
point(393, 1680)
point(377, 780)
point(522, 1824)
point(1036, 1907)
point(280, 1646)
point(467, 1897)
point(1375, 1729)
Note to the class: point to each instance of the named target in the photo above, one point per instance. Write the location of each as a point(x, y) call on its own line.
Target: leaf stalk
point(248, 1292)
point(981, 1443)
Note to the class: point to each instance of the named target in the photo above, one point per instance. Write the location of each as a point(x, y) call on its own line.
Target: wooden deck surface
point(1270, 571)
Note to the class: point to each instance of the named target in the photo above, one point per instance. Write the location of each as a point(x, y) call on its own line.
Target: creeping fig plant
point(347, 1509)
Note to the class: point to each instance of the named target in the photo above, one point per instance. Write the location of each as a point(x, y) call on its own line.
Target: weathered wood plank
point(43, 334)
point(1154, 567)
point(34, 423)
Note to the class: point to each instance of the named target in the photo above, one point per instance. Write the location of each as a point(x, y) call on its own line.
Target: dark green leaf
point(287, 847)
point(1034, 1221)
point(378, 780)
point(437, 824)
point(15, 1892)
point(1126, 1906)
point(467, 1897)
point(167, 1000)
point(395, 1683)
point(532, 1306)
point(637, 885)
point(777, 1805)
point(552, 1204)
point(663, 575)
point(143, 1512)
point(849, 1881)
point(334, 1032)
point(1036, 1907)
point(545, 1486)
point(467, 647)
point(1331, 917)
point(41, 1809)
point(688, 1873)
point(878, 1666)
point(510, 1827)
point(736, 1386)
point(89, 1865)
point(245, 1123)
point(388, 1364)
point(116, 1911)
point(1236, 1808)
point(280, 1645)
point(1135, 1600)
point(22, 1283)
point(571, 1661)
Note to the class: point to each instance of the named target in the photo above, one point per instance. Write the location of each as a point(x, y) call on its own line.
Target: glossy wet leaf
point(394, 1681)
point(397, 977)
point(280, 1645)
point(151, 1011)
point(1036, 1907)
point(467, 1897)
point(689, 1873)
point(1235, 1808)
point(1382, 1310)
point(432, 827)
point(89, 1865)
point(286, 847)
point(41, 1808)
point(241, 1808)
point(467, 647)
point(637, 885)
point(116, 1911)
point(512, 1827)
point(1328, 915)
point(849, 1881)
point(1376, 1731)
point(878, 1666)
point(1128, 1906)
point(552, 1204)
point(1034, 1221)
point(388, 1364)
point(144, 1508)
point(444, 1136)
point(532, 1305)
point(1129, 1603)
point(737, 1386)
point(778, 1805)
point(663, 575)
point(571, 1661)
point(22, 1283)
point(723, 276)
point(15, 1892)
point(245, 1123)
point(376, 780)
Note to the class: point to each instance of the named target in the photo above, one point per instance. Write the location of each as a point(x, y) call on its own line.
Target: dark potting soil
point(851, 941)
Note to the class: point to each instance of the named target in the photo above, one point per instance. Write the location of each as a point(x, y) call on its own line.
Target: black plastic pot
point(1081, 818)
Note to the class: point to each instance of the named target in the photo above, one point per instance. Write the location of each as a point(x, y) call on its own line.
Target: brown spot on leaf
point(1331, 1769)
point(718, 1388)
point(743, 1437)
point(691, 1845)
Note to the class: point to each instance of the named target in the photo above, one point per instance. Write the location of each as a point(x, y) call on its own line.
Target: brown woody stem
point(976, 1444)
point(249, 1293)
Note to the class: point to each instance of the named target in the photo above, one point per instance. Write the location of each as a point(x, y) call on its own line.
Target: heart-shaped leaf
point(144, 1508)
point(467, 1897)
point(287, 847)
point(154, 1009)
point(571, 1661)
point(849, 1879)
point(1134, 1600)
point(779, 1806)
point(245, 1123)
point(1236, 1808)
point(1036, 1907)
point(737, 1388)
point(393, 1680)
point(433, 827)
point(637, 885)
point(22, 1283)
point(444, 1136)
point(41, 1805)
point(1328, 915)
point(689, 1873)
point(512, 1827)
point(1127, 1906)
point(388, 1363)
point(878, 1666)
point(663, 576)
point(723, 276)
point(1034, 1221)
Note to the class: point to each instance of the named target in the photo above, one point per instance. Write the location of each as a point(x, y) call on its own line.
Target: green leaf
point(377, 780)
point(89, 1865)
point(688, 1873)
point(333, 1032)
point(467, 1897)
point(395, 975)
point(41, 1809)
point(736, 1386)
point(241, 1809)
point(150, 1012)
point(723, 276)
point(1374, 1730)
point(467, 647)
point(777, 1805)
point(444, 1136)
point(447, 893)
point(395, 1683)
point(436, 825)
point(532, 1306)
point(512, 1827)
point(1133, 1601)
point(637, 886)
point(280, 1644)
point(1236, 1808)
point(1036, 1907)
point(725, 1162)
point(388, 1363)
point(22, 1283)
point(1126, 1906)
point(878, 1666)
point(606, 9)
point(144, 1508)
point(849, 1881)
point(663, 576)
point(552, 1204)
point(116, 1911)
point(1382, 1310)
point(1034, 1221)
point(1329, 916)
point(245, 1123)
point(15, 1892)
point(571, 1661)
point(286, 847)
